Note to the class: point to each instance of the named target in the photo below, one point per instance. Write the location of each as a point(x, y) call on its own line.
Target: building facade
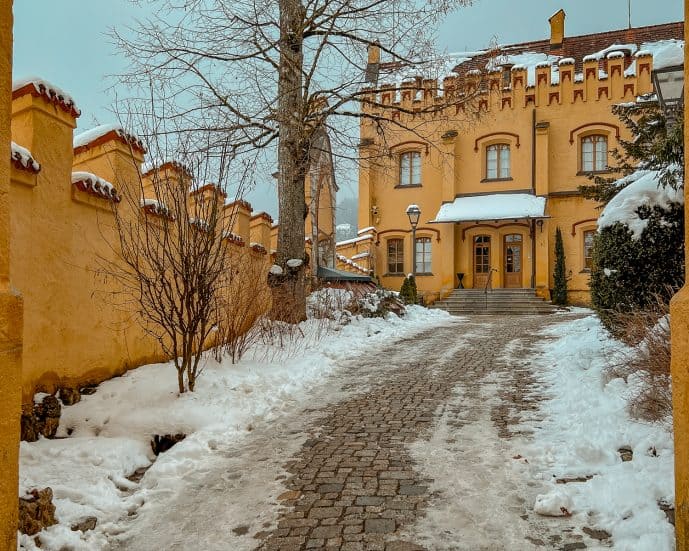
point(494, 155)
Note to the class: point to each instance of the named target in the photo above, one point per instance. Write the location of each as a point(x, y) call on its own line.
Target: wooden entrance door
point(513, 261)
point(481, 260)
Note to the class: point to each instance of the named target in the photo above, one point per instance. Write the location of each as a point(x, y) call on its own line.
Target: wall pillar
point(679, 325)
point(11, 309)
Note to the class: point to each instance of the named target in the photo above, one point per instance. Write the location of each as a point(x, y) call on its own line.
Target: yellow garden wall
point(11, 308)
point(679, 321)
point(73, 334)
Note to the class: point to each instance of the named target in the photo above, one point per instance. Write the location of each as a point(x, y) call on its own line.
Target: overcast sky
point(64, 42)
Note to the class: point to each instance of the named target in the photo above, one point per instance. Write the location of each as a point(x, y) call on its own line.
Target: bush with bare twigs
point(647, 332)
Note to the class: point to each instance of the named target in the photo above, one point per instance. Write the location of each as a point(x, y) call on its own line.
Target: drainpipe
point(533, 190)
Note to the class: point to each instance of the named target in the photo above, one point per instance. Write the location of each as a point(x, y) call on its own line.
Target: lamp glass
point(669, 85)
point(414, 213)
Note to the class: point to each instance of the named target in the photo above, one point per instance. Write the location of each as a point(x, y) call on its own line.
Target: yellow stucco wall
point(61, 238)
point(452, 144)
point(679, 320)
point(11, 308)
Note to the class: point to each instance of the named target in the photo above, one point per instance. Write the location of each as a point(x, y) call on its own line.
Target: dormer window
point(497, 161)
point(410, 168)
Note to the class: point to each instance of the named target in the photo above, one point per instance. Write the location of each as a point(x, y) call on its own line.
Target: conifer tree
point(560, 278)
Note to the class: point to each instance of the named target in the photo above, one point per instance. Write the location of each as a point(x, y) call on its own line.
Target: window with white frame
point(395, 256)
point(410, 168)
point(594, 153)
point(497, 161)
point(423, 255)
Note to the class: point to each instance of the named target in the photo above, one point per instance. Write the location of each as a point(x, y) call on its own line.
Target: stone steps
point(495, 302)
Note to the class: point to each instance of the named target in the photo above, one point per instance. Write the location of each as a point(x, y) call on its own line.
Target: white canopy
point(497, 206)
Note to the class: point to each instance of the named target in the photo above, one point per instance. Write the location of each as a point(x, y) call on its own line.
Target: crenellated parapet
point(616, 76)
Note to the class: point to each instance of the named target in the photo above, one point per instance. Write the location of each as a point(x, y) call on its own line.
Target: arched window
point(497, 161)
point(410, 168)
point(594, 153)
point(395, 256)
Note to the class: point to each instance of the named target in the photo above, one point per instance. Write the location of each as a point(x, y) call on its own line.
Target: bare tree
point(174, 260)
point(267, 71)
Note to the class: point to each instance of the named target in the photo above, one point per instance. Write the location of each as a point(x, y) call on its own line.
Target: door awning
point(497, 206)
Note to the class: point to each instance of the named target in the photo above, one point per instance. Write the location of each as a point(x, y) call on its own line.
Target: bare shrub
point(243, 304)
point(647, 332)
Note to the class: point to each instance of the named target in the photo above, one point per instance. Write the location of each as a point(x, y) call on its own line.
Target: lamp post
point(668, 83)
point(414, 213)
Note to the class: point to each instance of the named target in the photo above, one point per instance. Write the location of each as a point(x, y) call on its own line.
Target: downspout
point(533, 190)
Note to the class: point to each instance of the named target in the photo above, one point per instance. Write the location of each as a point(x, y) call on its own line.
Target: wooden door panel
point(482, 266)
point(512, 259)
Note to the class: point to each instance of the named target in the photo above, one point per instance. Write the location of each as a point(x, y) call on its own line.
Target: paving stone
point(353, 484)
point(379, 526)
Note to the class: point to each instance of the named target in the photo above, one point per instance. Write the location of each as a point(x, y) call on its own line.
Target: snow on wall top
point(40, 87)
point(23, 159)
point(644, 190)
point(499, 206)
point(87, 139)
point(95, 185)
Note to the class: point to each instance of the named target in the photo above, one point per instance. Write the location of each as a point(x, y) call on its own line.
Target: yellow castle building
point(493, 152)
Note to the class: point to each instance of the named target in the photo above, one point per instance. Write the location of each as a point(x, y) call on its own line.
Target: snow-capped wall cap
point(615, 55)
point(543, 64)
point(104, 133)
point(208, 187)
point(473, 72)
point(158, 208)
point(567, 61)
point(590, 57)
point(95, 185)
point(23, 159)
point(518, 67)
point(366, 230)
point(39, 87)
point(240, 203)
point(643, 53)
point(264, 216)
point(164, 164)
point(354, 240)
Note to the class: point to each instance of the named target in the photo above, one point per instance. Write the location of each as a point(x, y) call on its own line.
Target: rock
point(160, 444)
point(88, 390)
point(86, 524)
point(43, 418)
point(669, 511)
point(30, 429)
point(69, 396)
point(626, 453)
point(36, 511)
point(573, 546)
point(596, 534)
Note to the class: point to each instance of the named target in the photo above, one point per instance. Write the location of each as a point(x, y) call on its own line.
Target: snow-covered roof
point(40, 87)
point(87, 138)
point(153, 206)
point(23, 159)
point(644, 190)
point(354, 240)
point(498, 206)
point(95, 185)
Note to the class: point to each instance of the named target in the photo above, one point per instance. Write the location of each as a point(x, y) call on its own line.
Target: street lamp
point(414, 213)
point(669, 87)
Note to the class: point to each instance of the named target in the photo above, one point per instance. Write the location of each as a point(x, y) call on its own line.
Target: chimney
point(557, 30)
point(373, 63)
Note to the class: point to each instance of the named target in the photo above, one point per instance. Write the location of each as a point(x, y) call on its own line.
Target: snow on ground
point(585, 424)
point(106, 436)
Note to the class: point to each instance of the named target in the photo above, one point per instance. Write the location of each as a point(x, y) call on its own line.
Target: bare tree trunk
point(292, 159)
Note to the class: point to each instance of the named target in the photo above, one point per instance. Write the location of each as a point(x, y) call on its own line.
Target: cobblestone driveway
point(353, 484)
